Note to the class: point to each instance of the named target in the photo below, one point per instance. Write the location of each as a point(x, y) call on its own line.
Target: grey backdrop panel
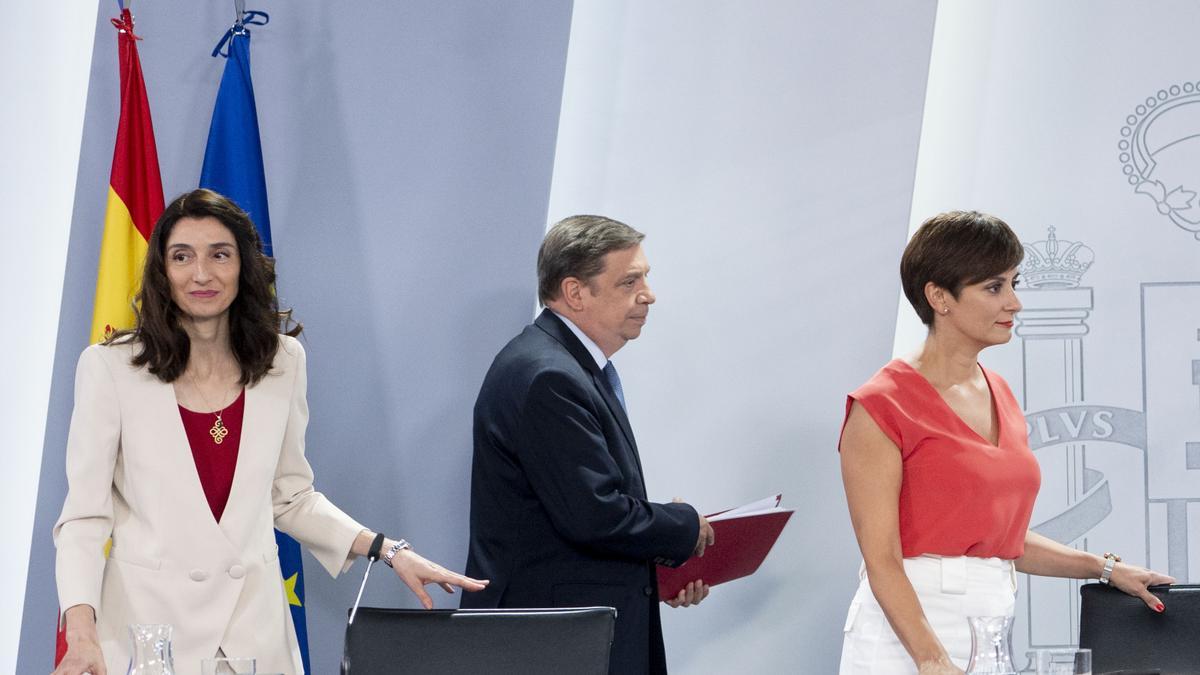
point(408, 152)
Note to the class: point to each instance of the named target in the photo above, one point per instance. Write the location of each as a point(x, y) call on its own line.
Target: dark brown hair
point(255, 321)
point(953, 250)
point(575, 247)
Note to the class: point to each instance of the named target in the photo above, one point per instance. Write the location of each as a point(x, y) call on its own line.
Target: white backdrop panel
point(1081, 117)
point(767, 149)
point(42, 114)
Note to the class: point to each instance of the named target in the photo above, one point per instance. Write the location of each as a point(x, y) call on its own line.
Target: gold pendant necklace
point(218, 431)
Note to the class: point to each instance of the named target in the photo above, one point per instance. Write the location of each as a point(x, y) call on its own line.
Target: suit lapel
point(263, 419)
point(558, 330)
point(248, 451)
point(175, 453)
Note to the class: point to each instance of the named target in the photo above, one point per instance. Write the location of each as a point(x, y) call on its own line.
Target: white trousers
point(950, 590)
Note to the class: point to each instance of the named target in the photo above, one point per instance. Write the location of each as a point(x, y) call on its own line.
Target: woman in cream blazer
point(132, 477)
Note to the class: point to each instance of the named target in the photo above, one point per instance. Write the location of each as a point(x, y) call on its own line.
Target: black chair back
point(474, 641)
point(1127, 637)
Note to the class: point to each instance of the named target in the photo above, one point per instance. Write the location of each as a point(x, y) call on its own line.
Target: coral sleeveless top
point(960, 495)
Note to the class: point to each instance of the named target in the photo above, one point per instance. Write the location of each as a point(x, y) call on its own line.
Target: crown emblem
point(1160, 153)
point(1053, 263)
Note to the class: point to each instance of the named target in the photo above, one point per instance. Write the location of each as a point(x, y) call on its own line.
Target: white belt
point(953, 571)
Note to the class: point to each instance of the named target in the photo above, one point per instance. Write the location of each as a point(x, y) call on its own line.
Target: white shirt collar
point(588, 343)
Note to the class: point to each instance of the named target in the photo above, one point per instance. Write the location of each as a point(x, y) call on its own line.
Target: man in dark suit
point(559, 514)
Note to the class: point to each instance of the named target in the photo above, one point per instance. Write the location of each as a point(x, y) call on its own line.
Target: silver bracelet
point(1110, 561)
point(400, 545)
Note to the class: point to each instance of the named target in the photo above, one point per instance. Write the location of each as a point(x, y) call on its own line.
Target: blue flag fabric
point(233, 166)
point(233, 163)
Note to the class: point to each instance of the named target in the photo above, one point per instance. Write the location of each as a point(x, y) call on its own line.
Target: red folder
point(743, 541)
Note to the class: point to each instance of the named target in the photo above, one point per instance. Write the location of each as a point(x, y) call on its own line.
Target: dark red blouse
point(215, 462)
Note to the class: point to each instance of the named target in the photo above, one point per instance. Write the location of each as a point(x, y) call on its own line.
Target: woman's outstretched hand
point(1136, 581)
point(417, 572)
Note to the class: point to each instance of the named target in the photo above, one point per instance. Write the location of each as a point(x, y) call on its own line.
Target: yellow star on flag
point(289, 587)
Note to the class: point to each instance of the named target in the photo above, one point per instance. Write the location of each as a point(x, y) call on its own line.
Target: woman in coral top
point(938, 472)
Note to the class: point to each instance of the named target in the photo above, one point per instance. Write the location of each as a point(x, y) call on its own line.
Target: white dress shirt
point(588, 343)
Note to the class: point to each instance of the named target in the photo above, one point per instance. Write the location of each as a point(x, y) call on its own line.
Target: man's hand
point(706, 538)
point(690, 595)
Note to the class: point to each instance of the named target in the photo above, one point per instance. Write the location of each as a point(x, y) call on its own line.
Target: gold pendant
point(218, 431)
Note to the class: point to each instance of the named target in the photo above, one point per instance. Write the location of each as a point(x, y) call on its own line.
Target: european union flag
point(233, 166)
point(233, 163)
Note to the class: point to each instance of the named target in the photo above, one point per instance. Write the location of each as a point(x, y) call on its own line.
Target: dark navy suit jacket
point(559, 515)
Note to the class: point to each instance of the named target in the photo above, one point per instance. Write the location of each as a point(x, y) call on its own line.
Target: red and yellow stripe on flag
point(135, 195)
point(135, 201)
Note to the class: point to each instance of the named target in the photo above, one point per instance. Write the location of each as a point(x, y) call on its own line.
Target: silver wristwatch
point(1110, 561)
point(395, 548)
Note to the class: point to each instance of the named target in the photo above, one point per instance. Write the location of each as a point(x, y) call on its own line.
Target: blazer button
point(649, 591)
point(198, 575)
point(237, 571)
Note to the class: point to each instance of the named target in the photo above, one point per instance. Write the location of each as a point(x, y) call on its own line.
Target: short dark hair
point(575, 247)
point(953, 250)
point(255, 321)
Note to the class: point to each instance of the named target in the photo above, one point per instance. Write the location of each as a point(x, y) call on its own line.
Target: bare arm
point(872, 473)
point(1048, 558)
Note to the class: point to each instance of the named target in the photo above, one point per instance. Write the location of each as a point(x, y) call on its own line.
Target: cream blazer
point(131, 476)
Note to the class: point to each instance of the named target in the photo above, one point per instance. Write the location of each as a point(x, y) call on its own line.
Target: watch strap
point(376, 546)
point(400, 545)
point(1110, 561)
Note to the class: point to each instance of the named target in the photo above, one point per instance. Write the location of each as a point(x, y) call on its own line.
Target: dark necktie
point(614, 381)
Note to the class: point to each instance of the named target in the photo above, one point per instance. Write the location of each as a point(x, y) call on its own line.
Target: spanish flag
point(135, 201)
point(135, 194)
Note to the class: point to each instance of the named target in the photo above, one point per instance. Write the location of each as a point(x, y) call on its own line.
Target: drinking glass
point(227, 666)
point(1064, 662)
point(151, 653)
point(991, 646)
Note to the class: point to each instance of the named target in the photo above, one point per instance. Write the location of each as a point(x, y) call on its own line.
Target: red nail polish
point(1159, 607)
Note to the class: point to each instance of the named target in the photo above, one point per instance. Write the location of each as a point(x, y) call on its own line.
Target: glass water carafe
point(991, 646)
point(151, 649)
